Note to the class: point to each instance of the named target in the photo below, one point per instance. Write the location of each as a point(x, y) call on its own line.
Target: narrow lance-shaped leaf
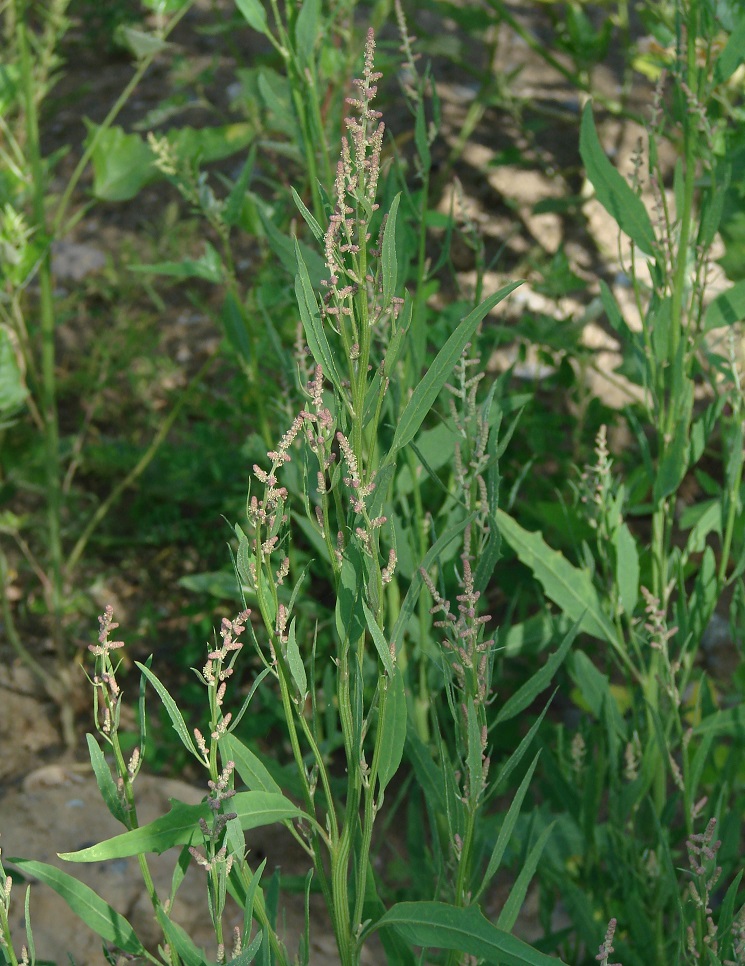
point(612, 191)
point(507, 828)
point(177, 719)
point(516, 898)
point(525, 695)
point(429, 388)
point(390, 264)
point(105, 782)
point(393, 724)
point(312, 324)
point(567, 586)
point(295, 662)
point(86, 904)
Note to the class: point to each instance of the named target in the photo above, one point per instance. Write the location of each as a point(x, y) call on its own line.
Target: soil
point(48, 798)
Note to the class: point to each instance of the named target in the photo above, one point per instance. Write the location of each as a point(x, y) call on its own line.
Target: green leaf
point(528, 692)
point(234, 201)
point(312, 324)
point(233, 321)
point(412, 594)
point(732, 55)
point(181, 824)
point(254, 15)
point(674, 463)
point(474, 762)
point(140, 42)
point(86, 904)
point(295, 662)
point(180, 941)
point(12, 388)
point(207, 266)
point(427, 774)
point(256, 809)
point(726, 309)
point(507, 828)
point(595, 689)
point(463, 929)
point(390, 263)
point(249, 766)
point(511, 908)
point(350, 615)
point(308, 216)
point(178, 827)
point(627, 568)
point(106, 784)
point(729, 723)
point(393, 728)
point(306, 31)
point(381, 644)
point(177, 719)
point(429, 388)
point(122, 163)
point(569, 588)
point(612, 191)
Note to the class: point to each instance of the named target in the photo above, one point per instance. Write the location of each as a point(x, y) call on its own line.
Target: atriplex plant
point(32, 220)
point(651, 603)
point(330, 479)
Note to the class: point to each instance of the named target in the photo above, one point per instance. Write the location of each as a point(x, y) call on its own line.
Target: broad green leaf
point(726, 309)
point(732, 55)
point(381, 644)
point(306, 31)
point(254, 14)
point(295, 662)
point(204, 145)
point(390, 262)
point(724, 724)
point(393, 727)
point(428, 389)
point(249, 766)
point(627, 568)
point(507, 828)
point(528, 692)
point(463, 929)
point(569, 588)
point(177, 719)
point(350, 614)
point(511, 909)
point(674, 464)
point(86, 904)
point(207, 266)
point(612, 191)
point(105, 782)
point(122, 163)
